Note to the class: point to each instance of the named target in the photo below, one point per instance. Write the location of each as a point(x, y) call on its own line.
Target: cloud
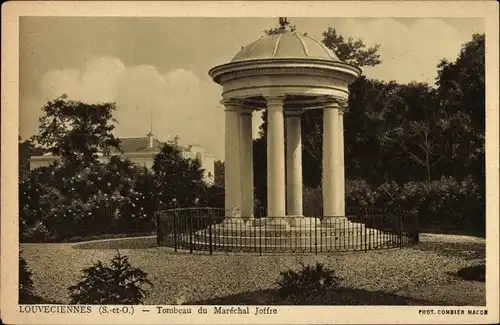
point(177, 102)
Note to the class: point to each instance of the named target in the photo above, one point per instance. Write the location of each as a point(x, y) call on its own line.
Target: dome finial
point(283, 23)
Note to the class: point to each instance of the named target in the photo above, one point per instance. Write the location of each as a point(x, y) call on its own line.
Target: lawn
point(425, 274)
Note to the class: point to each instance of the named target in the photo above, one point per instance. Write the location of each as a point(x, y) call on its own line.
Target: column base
point(272, 223)
point(303, 222)
point(340, 222)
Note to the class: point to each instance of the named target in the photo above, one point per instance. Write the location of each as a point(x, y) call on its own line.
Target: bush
point(26, 290)
point(313, 202)
point(36, 234)
point(117, 284)
point(307, 281)
point(359, 193)
point(445, 205)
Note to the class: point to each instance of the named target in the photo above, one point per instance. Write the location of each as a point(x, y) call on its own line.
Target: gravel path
point(422, 272)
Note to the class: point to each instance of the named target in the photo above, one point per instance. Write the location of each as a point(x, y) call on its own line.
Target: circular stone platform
point(278, 234)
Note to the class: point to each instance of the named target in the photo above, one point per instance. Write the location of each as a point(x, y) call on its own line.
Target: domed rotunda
point(285, 73)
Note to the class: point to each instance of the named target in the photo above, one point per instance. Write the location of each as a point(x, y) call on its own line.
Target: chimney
point(150, 140)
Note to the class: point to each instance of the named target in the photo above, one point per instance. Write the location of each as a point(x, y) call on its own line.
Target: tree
point(461, 93)
point(25, 148)
point(179, 181)
point(76, 132)
point(219, 173)
point(351, 51)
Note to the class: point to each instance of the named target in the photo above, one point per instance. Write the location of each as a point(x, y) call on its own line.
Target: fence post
point(416, 236)
point(210, 231)
point(315, 238)
point(175, 231)
point(260, 237)
point(366, 234)
point(400, 232)
point(191, 232)
point(158, 229)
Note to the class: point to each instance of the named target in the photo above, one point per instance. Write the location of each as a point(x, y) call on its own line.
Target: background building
point(142, 151)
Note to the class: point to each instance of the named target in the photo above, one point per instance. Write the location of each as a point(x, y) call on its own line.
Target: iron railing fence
point(219, 230)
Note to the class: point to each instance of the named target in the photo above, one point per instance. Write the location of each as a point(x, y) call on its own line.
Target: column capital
point(275, 100)
point(245, 111)
point(293, 112)
point(344, 107)
point(331, 105)
point(231, 104)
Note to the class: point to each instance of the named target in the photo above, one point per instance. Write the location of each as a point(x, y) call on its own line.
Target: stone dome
point(286, 45)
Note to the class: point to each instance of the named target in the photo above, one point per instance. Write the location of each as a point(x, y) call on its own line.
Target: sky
point(156, 69)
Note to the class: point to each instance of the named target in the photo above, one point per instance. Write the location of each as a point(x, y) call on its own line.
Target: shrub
point(119, 283)
point(313, 202)
point(36, 234)
point(26, 290)
point(359, 193)
point(309, 280)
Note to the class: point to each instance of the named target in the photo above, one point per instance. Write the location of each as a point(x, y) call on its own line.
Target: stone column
point(275, 158)
point(341, 168)
point(246, 163)
point(293, 164)
point(331, 198)
point(232, 180)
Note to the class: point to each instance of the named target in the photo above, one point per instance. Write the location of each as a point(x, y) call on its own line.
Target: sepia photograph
point(207, 165)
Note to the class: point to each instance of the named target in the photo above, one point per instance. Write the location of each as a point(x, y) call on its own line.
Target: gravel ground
point(423, 272)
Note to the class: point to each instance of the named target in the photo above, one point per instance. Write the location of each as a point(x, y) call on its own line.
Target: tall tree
point(76, 132)
point(350, 50)
point(219, 173)
point(25, 148)
point(461, 92)
point(179, 181)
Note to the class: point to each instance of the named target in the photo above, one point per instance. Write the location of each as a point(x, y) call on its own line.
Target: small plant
point(117, 284)
point(26, 290)
point(307, 281)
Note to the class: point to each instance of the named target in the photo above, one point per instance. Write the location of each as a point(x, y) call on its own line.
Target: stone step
point(255, 240)
point(291, 246)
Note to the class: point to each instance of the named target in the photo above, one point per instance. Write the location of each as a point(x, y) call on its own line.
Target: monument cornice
point(284, 67)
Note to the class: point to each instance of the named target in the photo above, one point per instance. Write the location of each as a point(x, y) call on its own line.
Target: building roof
point(127, 145)
point(285, 45)
point(139, 144)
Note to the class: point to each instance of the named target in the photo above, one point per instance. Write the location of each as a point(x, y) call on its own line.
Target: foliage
point(461, 93)
point(350, 50)
point(359, 193)
point(312, 202)
point(26, 289)
point(219, 173)
point(119, 283)
point(25, 148)
point(57, 202)
point(179, 181)
point(411, 135)
point(211, 196)
point(76, 132)
point(307, 281)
